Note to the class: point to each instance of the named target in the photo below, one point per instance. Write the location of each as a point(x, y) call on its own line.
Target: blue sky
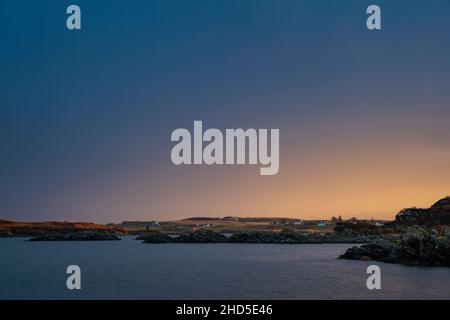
point(86, 116)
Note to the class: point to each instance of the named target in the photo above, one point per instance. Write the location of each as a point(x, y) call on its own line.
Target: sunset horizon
point(224, 159)
point(258, 214)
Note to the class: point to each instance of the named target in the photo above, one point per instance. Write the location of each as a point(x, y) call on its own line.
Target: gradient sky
point(86, 116)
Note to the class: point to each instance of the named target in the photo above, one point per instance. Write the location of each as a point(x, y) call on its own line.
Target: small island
point(78, 236)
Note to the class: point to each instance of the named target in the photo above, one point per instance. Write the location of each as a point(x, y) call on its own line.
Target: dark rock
point(155, 237)
point(443, 250)
point(257, 237)
point(77, 236)
point(443, 203)
point(201, 236)
point(437, 215)
point(285, 237)
point(288, 236)
point(5, 233)
point(378, 250)
point(417, 246)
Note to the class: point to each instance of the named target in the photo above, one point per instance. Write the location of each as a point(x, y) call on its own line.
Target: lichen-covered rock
point(417, 246)
point(201, 236)
point(155, 237)
point(289, 236)
point(256, 237)
point(378, 250)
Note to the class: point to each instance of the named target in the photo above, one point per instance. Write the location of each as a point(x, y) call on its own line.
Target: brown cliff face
point(30, 229)
point(437, 214)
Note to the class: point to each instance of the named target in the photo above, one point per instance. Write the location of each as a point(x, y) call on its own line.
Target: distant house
point(230, 218)
point(152, 224)
point(322, 223)
point(379, 224)
point(203, 225)
point(297, 223)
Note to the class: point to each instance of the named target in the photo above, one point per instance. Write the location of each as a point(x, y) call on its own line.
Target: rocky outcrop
point(201, 236)
point(378, 250)
point(437, 215)
point(442, 204)
point(155, 237)
point(288, 236)
point(259, 237)
point(285, 236)
point(77, 236)
point(417, 246)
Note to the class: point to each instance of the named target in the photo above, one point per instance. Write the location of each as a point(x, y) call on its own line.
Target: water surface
point(128, 269)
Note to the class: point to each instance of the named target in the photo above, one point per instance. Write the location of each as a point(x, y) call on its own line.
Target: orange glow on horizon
point(364, 183)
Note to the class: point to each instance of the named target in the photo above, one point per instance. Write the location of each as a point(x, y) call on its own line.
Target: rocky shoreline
point(282, 237)
point(416, 237)
point(78, 236)
point(418, 246)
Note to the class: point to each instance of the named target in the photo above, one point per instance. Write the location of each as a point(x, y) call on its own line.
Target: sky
point(86, 116)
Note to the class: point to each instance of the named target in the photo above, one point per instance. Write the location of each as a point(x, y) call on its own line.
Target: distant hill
point(241, 219)
point(30, 229)
point(437, 214)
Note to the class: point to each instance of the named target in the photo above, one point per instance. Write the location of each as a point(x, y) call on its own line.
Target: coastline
point(415, 237)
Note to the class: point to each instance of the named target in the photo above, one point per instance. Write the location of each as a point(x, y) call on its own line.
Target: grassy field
point(226, 225)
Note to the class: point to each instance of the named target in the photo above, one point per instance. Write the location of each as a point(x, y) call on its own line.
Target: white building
point(322, 223)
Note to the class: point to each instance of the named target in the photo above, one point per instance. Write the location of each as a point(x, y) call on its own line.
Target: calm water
point(128, 269)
